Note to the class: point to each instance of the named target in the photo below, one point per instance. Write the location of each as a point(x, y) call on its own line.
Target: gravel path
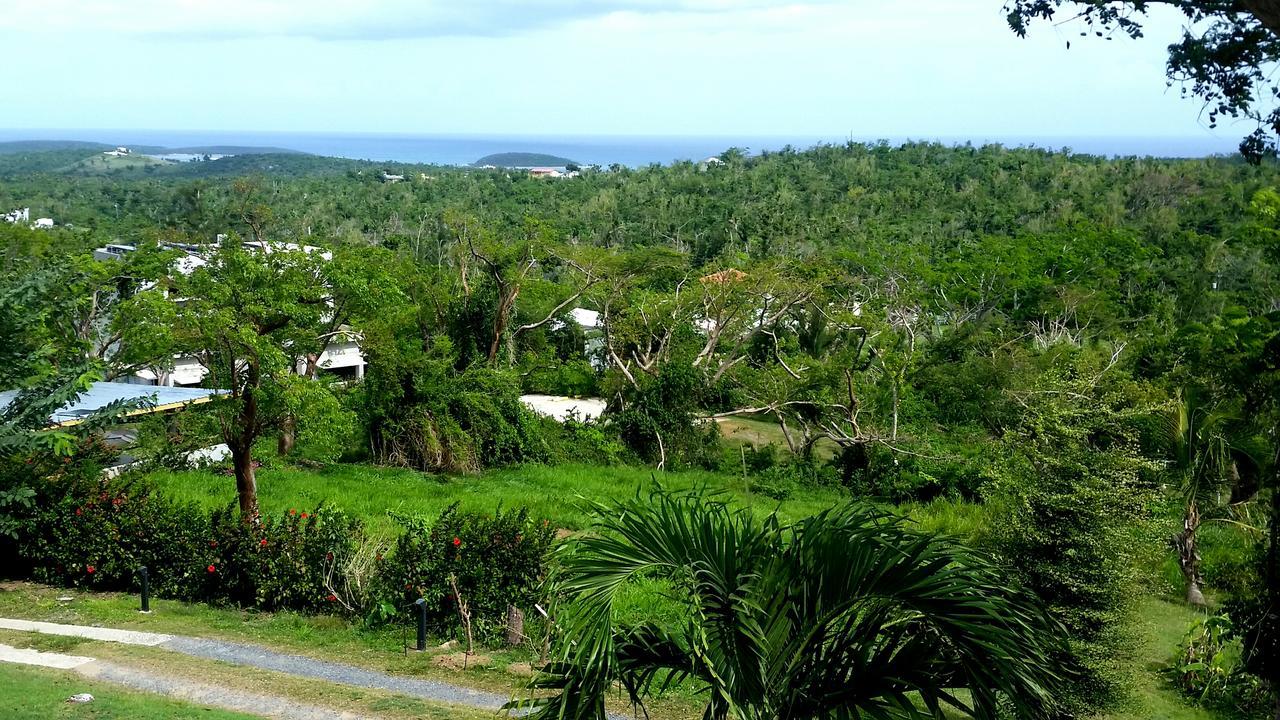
point(267, 659)
point(343, 674)
point(211, 695)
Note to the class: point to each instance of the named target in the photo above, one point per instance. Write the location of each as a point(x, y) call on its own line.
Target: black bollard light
point(422, 624)
point(144, 577)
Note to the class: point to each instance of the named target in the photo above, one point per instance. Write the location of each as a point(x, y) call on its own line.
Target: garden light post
point(144, 579)
point(421, 604)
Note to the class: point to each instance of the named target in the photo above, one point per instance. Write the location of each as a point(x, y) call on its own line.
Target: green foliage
point(658, 423)
point(1073, 499)
point(1210, 669)
point(296, 560)
point(97, 534)
point(496, 560)
point(843, 614)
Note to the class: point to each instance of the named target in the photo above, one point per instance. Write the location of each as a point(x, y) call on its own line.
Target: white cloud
point(345, 19)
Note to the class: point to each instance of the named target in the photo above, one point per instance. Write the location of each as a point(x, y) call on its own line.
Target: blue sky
point(861, 68)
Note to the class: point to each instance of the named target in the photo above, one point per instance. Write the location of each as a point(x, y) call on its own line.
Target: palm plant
point(1204, 444)
point(846, 614)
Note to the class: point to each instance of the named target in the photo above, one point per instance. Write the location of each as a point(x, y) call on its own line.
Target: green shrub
point(1210, 669)
point(585, 441)
point(295, 561)
point(97, 534)
point(496, 561)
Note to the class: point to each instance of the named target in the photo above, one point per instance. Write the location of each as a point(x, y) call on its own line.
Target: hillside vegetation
point(1059, 369)
point(522, 160)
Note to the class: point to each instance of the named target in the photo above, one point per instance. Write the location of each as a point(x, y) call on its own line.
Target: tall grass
point(563, 493)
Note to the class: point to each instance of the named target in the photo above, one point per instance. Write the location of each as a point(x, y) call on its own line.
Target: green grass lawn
point(1161, 626)
point(562, 493)
point(29, 693)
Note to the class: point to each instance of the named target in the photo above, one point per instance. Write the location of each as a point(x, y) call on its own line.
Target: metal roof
point(100, 394)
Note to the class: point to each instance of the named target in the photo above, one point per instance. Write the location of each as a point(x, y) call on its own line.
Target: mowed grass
point(562, 494)
point(28, 693)
point(1161, 626)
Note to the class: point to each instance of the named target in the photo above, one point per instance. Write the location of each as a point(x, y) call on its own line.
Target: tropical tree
point(845, 614)
point(1203, 444)
point(1224, 56)
point(244, 315)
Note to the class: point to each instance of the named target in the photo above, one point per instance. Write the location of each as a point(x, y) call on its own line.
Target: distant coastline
point(633, 151)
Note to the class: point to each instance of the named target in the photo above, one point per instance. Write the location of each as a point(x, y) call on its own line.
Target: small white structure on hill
point(43, 223)
point(17, 216)
point(119, 152)
point(561, 408)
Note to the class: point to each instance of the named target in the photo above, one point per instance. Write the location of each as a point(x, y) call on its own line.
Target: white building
point(21, 215)
point(43, 223)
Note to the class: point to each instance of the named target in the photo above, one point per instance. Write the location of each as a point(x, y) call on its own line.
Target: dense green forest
point(1083, 350)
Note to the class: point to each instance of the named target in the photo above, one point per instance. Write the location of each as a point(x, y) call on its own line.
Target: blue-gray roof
point(101, 394)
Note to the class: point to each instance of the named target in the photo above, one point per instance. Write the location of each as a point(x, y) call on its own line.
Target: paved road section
point(128, 637)
point(26, 656)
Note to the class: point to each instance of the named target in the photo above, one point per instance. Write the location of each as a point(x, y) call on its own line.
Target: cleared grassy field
point(562, 493)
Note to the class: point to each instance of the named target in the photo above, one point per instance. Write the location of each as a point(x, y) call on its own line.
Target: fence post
point(421, 604)
point(145, 579)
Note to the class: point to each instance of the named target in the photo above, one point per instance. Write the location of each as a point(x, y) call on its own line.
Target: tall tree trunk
point(288, 435)
point(501, 318)
point(1189, 554)
point(246, 482)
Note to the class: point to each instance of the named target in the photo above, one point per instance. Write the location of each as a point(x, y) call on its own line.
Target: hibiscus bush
point(496, 560)
point(295, 560)
point(96, 533)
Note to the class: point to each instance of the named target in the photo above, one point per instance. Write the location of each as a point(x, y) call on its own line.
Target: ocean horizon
point(603, 150)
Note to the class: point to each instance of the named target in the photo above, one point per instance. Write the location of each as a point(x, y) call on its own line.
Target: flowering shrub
point(97, 533)
point(497, 560)
point(292, 561)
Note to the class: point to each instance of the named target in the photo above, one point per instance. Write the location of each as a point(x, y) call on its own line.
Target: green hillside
point(523, 160)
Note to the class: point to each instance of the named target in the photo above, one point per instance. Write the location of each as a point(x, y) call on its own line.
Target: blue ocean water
point(602, 150)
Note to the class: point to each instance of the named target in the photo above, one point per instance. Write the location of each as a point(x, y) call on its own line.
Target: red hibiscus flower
point(213, 568)
point(304, 516)
point(292, 511)
point(262, 542)
point(457, 542)
point(331, 597)
point(89, 569)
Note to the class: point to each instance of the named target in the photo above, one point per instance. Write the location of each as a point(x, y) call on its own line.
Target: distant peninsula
point(523, 160)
